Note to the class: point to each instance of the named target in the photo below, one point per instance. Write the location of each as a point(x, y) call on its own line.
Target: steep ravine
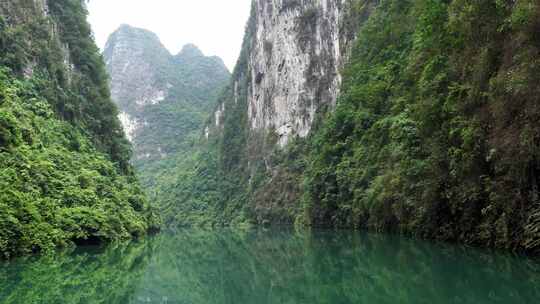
point(288, 75)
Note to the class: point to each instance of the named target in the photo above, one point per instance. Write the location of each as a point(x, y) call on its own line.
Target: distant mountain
point(163, 98)
point(164, 101)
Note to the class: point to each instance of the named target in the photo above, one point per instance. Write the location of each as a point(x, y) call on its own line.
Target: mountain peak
point(190, 50)
point(126, 32)
point(126, 28)
point(130, 41)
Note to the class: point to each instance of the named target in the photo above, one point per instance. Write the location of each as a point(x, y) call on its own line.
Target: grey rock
point(294, 62)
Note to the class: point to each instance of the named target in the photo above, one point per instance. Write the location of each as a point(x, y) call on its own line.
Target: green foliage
point(274, 198)
point(57, 189)
point(434, 132)
point(73, 76)
point(187, 188)
point(64, 162)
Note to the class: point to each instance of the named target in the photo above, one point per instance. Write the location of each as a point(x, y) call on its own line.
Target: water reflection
point(275, 266)
point(90, 275)
point(330, 267)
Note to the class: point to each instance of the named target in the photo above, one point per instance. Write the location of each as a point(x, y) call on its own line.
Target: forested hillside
point(435, 132)
point(64, 161)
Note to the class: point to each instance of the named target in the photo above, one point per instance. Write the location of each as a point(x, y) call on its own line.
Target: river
point(272, 266)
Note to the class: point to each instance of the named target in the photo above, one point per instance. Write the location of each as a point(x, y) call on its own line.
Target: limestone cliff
point(134, 59)
point(294, 51)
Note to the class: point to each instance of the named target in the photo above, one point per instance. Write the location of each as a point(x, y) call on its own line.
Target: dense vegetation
point(204, 184)
point(187, 188)
point(435, 133)
point(64, 162)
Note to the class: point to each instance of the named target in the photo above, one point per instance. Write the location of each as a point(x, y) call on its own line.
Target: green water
point(273, 266)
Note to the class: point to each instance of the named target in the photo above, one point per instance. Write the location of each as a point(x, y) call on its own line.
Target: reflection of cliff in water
point(86, 275)
point(329, 267)
point(274, 266)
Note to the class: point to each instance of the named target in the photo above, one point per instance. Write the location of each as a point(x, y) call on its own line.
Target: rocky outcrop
point(294, 64)
point(295, 53)
point(134, 58)
point(155, 90)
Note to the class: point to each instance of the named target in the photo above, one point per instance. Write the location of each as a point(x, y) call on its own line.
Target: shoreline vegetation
point(65, 176)
point(435, 133)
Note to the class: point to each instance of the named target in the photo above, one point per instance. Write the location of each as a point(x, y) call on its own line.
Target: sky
point(215, 26)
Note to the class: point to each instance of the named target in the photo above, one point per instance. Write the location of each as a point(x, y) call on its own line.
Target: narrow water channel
point(272, 266)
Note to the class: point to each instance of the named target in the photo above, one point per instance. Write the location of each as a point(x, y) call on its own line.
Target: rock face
point(134, 58)
point(17, 12)
point(161, 97)
point(294, 64)
point(295, 52)
point(287, 76)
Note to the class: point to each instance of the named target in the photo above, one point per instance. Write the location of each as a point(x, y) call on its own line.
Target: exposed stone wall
point(294, 64)
point(133, 57)
point(296, 52)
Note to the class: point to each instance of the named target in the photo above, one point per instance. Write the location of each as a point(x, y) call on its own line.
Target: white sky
point(215, 26)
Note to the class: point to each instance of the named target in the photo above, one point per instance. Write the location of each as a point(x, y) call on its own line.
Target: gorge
point(361, 114)
point(360, 151)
